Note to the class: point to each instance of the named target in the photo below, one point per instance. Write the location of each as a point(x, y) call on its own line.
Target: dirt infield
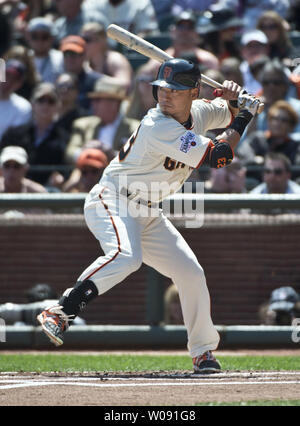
point(147, 388)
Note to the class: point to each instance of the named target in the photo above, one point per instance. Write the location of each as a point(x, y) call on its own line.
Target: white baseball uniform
point(154, 163)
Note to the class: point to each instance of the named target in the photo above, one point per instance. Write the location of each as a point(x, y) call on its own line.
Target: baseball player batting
point(155, 162)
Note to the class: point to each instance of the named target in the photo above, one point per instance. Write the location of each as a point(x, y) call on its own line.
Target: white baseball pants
point(128, 241)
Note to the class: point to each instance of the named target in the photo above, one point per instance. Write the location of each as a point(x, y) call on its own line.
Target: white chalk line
point(123, 385)
point(258, 378)
point(8, 381)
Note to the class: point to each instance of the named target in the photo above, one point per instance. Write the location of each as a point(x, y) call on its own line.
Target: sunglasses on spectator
point(269, 27)
point(41, 37)
point(46, 99)
point(88, 39)
point(274, 82)
point(281, 119)
point(15, 166)
point(276, 172)
point(72, 54)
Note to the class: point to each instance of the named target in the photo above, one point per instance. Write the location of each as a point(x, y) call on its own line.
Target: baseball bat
point(142, 46)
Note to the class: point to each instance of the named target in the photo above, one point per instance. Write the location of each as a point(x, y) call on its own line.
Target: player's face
point(176, 103)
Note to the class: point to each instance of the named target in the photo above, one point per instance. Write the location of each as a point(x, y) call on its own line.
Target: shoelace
point(57, 310)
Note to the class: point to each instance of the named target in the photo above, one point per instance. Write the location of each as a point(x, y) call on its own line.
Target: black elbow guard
point(221, 154)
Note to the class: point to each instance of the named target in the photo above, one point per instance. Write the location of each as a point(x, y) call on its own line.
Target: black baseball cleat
point(54, 323)
point(206, 364)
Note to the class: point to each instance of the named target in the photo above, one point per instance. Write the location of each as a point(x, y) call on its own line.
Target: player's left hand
point(230, 90)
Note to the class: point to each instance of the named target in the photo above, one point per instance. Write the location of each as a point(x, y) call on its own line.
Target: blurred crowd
point(72, 97)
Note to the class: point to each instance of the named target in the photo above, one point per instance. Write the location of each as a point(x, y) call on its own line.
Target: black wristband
point(241, 121)
point(234, 103)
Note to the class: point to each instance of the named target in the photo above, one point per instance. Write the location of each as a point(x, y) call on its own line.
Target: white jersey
point(161, 154)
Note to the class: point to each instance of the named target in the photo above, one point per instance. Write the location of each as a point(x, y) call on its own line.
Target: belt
point(132, 196)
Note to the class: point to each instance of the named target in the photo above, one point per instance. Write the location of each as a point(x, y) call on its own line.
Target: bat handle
point(217, 93)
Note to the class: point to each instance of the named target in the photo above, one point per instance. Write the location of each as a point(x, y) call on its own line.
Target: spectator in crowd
point(38, 8)
point(282, 307)
point(14, 167)
point(39, 297)
point(256, 68)
point(42, 139)
point(73, 14)
point(67, 88)
point(73, 48)
point(282, 119)
point(14, 109)
point(103, 59)
point(135, 16)
point(254, 43)
point(90, 166)
point(93, 145)
point(186, 39)
point(185, 44)
point(199, 6)
point(276, 29)
point(219, 33)
point(276, 86)
point(293, 15)
point(251, 10)
point(172, 306)
point(141, 98)
point(31, 77)
point(48, 61)
point(109, 124)
point(230, 179)
point(163, 12)
point(230, 69)
point(6, 33)
point(12, 10)
point(277, 176)
point(97, 144)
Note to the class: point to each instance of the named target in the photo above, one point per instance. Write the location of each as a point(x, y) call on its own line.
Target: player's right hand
point(248, 102)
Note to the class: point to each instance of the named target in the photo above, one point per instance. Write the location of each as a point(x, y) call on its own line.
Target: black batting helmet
point(177, 74)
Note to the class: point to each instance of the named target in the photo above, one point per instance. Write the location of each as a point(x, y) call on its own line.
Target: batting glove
point(248, 102)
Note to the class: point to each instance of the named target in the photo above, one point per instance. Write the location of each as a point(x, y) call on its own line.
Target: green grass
point(137, 363)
